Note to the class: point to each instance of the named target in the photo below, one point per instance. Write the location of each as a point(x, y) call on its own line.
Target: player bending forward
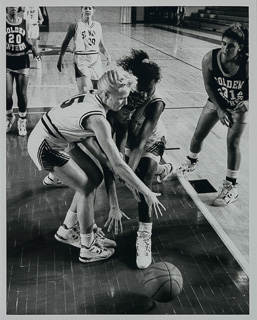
point(74, 120)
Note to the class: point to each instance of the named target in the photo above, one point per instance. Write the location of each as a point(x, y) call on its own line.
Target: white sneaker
point(186, 168)
point(94, 253)
point(9, 122)
point(227, 194)
point(167, 170)
point(53, 182)
point(22, 127)
point(104, 242)
point(69, 235)
point(144, 253)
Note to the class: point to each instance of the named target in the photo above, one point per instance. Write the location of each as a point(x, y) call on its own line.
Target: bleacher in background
point(217, 18)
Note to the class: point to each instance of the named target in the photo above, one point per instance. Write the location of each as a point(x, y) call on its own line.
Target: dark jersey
point(233, 87)
point(16, 46)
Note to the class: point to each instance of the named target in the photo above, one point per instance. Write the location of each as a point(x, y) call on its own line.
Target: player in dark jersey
point(225, 74)
point(146, 139)
point(17, 67)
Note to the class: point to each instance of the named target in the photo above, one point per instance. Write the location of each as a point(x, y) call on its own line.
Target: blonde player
point(88, 43)
point(75, 120)
point(34, 18)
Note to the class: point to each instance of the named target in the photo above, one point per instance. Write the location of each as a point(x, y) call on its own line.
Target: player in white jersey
point(88, 43)
point(74, 120)
point(34, 18)
point(146, 139)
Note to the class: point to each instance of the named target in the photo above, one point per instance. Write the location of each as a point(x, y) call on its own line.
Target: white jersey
point(31, 15)
point(64, 123)
point(138, 119)
point(87, 37)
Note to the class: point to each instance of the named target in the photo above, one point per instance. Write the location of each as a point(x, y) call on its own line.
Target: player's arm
point(152, 116)
point(243, 106)
point(121, 136)
point(104, 50)
point(115, 214)
point(30, 46)
point(209, 84)
point(40, 16)
point(69, 35)
point(102, 132)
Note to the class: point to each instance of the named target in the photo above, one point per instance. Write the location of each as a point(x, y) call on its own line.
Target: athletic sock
point(145, 227)
point(87, 239)
point(232, 176)
point(71, 219)
point(193, 157)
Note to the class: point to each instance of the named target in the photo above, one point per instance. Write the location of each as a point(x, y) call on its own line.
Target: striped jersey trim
point(50, 127)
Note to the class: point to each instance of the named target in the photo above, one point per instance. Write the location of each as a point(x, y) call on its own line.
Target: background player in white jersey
point(34, 18)
point(88, 43)
point(225, 74)
point(146, 139)
point(73, 121)
point(17, 67)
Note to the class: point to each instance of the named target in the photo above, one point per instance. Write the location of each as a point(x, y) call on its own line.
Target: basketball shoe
point(167, 170)
point(94, 253)
point(22, 127)
point(9, 122)
point(186, 168)
point(227, 194)
point(143, 247)
point(48, 181)
point(102, 240)
point(69, 235)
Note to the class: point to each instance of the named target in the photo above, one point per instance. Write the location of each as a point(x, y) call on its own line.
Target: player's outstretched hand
point(154, 203)
point(114, 219)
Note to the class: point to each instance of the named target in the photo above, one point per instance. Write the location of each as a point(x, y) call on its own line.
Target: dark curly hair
point(139, 64)
point(239, 33)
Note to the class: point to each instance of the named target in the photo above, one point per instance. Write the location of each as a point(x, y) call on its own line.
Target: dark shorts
point(50, 158)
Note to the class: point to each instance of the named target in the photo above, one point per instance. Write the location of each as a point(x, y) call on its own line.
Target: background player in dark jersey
point(17, 67)
point(225, 74)
point(146, 139)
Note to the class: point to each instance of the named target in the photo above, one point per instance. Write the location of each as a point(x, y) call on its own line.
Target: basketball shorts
point(33, 31)
point(44, 154)
point(18, 64)
point(236, 117)
point(89, 65)
point(154, 151)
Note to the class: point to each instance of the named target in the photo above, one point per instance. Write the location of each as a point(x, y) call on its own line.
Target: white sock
point(193, 155)
point(70, 219)
point(87, 239)
point(233, 174)
point(145, 227)
point(159, 169)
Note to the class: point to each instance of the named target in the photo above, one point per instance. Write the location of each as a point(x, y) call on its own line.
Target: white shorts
point(43, 152)
point(33, 31)
point(89, 65)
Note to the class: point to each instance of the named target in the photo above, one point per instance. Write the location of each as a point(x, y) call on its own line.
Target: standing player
point(225, 74)
point(88, 43)
point(34, 18)
point(17, 67)
point(74, 120)
point(146, 139)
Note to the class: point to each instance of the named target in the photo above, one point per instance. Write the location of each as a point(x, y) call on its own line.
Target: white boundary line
point(216, 226)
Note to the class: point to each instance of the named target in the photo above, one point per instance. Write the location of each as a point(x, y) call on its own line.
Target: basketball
point(163, 282)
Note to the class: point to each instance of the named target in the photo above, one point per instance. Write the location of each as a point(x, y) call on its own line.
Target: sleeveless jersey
point(87, 38)
point(139, 117)
point(31, 15)
point(64, 123)
point(15, 38)
point(232, 87)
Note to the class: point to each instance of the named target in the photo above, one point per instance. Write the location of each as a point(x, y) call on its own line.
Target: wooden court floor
point(45, 277)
